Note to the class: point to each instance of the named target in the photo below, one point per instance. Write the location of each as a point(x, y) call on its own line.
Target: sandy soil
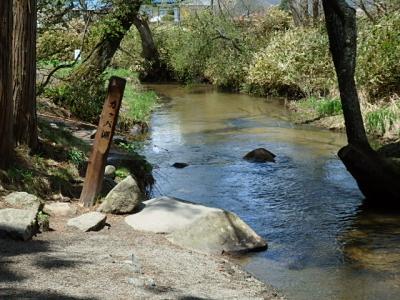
point(68, 264)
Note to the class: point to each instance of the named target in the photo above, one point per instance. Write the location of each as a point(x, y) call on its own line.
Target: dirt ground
point(118, 263)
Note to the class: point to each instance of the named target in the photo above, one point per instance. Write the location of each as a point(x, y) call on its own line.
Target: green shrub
point(297, 61)
point(77, 157)
point(320, 107)
point(378, 63)
point(328, 107)
point(382, 120)
point(83, 98)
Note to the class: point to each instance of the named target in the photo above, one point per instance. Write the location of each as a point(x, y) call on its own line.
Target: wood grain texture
point(102, 142)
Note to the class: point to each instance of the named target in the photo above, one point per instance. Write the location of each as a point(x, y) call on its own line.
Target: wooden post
point(102, 142)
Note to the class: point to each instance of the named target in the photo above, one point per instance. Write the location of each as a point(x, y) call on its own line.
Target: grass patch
point(319, 107)
point(383, 120)
point(328, 107)
point(122, 173)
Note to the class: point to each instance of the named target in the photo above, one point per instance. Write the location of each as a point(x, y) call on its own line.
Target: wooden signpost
point(102, 142)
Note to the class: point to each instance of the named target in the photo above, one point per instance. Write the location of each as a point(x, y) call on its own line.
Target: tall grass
point(384, 121)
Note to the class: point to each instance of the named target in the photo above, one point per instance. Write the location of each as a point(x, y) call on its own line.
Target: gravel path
point(118, 263)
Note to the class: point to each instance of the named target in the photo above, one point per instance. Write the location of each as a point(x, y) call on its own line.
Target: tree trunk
point(24, 72)
point(299, 10)
point(155, 70)
point(295, 11)
point(315, 11)
point(6, 105)
point(341, 25)
point(100, 58)
point(376, 176)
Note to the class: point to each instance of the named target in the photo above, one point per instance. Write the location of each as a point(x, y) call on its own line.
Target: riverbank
point(68, 264)
point(381, 119)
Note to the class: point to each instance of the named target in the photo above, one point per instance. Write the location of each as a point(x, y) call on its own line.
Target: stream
point(322, 242)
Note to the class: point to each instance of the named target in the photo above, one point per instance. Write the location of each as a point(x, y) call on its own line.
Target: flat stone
point(24, 200)
point(124, 198)
point(60, 209)
point(218, 232)
point(165, 215)
point(93, 221)
point(18, 223)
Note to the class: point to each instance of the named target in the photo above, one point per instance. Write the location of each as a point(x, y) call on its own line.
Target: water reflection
point(322, 244)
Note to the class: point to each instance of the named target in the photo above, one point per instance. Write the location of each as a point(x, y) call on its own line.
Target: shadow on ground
point(13, 252)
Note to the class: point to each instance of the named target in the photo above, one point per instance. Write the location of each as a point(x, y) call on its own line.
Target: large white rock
point(165, 215)
point(24, 200)
point(198, 227)
point(18, 223)
point(92, 221)
point(124, 198)
point(218, 232)
point(60, 209)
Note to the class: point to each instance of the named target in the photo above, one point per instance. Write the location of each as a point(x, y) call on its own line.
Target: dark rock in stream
point(180, 165)
point(260, 155)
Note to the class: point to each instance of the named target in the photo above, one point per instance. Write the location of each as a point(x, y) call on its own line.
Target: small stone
point(18, 223)
point(60, 209)
point(180, 165)
point(138, 282)
point(109, 171)
point(54, 125)
point(93, 134)
point(93, 221)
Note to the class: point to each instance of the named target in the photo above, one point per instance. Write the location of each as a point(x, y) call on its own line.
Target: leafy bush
point(213, 48)
point(77, 157)
point(128, 56)
point(83, 98)
point(378, 67)
point(296, 62)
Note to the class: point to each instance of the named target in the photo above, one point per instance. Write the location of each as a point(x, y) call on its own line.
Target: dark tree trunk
point(315, 11)
point(155, 70)
point(24, 72)
point(100, 58)
point(341, 25)
point(377, 176)
point(6, 104)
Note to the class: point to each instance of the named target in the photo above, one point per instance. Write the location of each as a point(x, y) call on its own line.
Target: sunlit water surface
point(322, 243)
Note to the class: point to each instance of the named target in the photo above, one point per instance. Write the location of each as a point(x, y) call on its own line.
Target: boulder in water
point(260, 155)
point(197, 227)
point(180, 165)
point(218, 232)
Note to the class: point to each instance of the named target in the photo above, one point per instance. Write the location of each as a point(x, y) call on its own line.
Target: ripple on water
point(322, 243)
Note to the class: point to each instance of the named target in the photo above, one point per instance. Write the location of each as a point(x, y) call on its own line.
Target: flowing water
point(323, 244)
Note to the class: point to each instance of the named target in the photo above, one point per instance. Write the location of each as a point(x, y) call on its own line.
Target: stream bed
point(322, 242)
